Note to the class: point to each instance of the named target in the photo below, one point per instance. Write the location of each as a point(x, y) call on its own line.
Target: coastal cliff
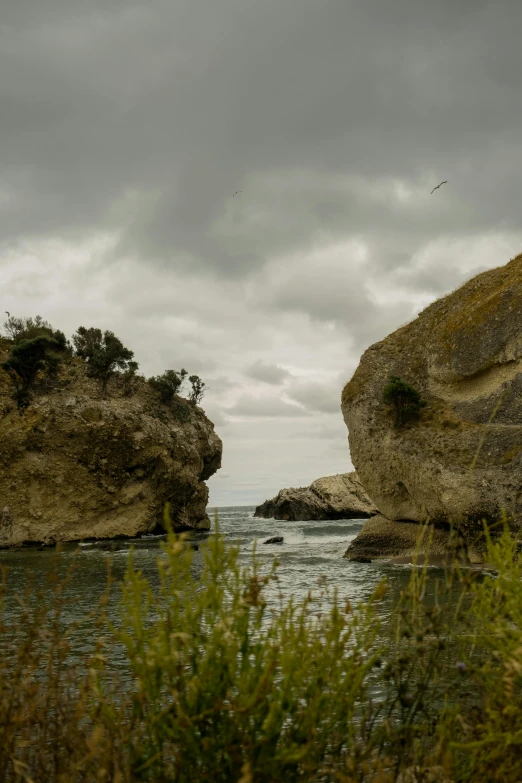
point(330, 497)
point(460, 459)
point(74, 465)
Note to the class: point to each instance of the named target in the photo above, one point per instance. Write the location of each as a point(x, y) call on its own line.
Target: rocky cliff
point(461, 460)
point(331, 497)
point(75, 466)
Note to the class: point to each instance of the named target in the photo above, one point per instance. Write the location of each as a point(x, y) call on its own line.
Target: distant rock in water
point(75, 466)
point(459, 459)
point(331, 497)
point(274, 540)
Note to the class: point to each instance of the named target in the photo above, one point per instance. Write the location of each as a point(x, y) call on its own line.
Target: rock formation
point(274, 540)
point(331, 497)
point(382, 538)
point(75, 466)
point(461, 460)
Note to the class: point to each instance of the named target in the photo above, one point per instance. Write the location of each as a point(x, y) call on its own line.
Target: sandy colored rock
point(382, 538)
point(461, 462)
point(75, 466)
point(330, 497)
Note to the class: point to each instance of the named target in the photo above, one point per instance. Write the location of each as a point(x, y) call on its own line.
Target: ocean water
point(312, 552)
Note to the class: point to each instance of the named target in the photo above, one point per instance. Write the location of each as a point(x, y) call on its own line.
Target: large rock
point(76, 466)
point(461, 462)
point(382, 538)
point(331, 497)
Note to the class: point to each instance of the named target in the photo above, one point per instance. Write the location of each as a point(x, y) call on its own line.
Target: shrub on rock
point(404, 399)
point(197, 389)
point(26, 360)
point(104, 354)
point(168, 384)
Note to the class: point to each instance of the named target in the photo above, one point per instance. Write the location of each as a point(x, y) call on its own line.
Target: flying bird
point(438, 186)
point(235, 194)
point(8, 314)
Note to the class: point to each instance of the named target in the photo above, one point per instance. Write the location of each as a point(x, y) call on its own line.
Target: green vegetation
point(27, 359)
point(168, 384)
point(226, 687)
point(404, 399)
point(104, 354)
point(19, 329)
point(197, 389)
point(129, 377)
point(36, 350)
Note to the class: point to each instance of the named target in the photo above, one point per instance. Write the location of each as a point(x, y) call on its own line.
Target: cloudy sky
point(126, 127)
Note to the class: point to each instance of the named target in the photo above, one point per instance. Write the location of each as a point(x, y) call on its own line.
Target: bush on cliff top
point(18, 329)
point(26, 360)
point(197, 389)
point(104, 353)
point(226, 687)
point(168, 384)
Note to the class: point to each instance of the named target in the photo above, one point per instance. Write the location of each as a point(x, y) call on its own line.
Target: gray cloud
point(145, 119)
point(321, 397)
point(267, 373)
point(263, 407)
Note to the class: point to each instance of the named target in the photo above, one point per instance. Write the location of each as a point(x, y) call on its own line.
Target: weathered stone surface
point(382, 538)
point(461, 462)
point(75, 466)
point(330, 497)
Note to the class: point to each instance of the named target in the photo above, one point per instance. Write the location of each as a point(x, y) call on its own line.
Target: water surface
point(311, 553)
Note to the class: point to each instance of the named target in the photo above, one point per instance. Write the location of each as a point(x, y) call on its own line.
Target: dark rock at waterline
point(274, 540)
point(402, 542)
point(330, 497)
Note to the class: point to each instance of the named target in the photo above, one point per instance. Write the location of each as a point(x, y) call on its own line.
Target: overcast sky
point(126, 128)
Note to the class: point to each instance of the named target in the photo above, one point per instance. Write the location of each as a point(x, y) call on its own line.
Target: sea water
point(310, 556)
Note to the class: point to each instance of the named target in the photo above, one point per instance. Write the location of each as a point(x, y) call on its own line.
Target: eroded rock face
point(331, 497)
point(461, 462)
point(75, 466)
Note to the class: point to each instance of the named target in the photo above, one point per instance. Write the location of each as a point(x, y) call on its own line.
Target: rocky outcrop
point(274, 540)
point(331, 497)
point(75, 466)
point(461, 460)
point(381, 538)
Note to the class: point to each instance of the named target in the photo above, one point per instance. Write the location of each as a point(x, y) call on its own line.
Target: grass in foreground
point(225, 687)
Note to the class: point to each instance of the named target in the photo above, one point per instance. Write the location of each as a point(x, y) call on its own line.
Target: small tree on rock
point(404, 399)
point(168, 384)
point(198, 389)
point(26, 359)
point(104, 353)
